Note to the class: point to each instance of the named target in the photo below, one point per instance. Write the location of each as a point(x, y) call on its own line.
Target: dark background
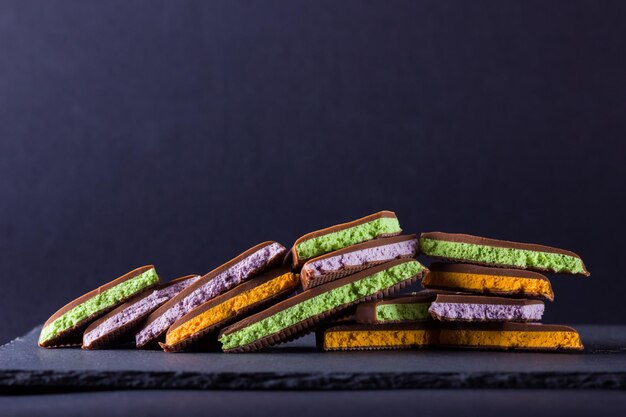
point(182, 133)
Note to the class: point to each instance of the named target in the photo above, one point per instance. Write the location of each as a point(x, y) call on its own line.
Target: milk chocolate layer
point(483, 241)
point(485, 270)
point(229, 275)
point(355, 258)
point(188, 342)
point(73, 335)
point(297, 262)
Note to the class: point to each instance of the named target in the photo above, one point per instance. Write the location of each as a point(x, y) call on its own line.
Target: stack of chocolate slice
point(492, 300)
point(340, 267)
point(345, 282)
point(507, 298)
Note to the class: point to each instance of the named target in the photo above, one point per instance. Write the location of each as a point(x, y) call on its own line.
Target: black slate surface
point(26, 367)
point(382, 403)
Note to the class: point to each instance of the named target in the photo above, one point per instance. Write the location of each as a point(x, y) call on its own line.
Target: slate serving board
point(298, 365)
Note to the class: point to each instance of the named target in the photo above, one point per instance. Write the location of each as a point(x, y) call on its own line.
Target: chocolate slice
point(298, 315)
point(457, 307)
point(206, 320)
point(501, 253)
point(491, 336)
point(113, 327)
point(314, 244)
point(358, 336)
point(484, 280)
point(64, 328)
point(509, 336)
point(396, 309)
point(221, 279)
point(356, 258)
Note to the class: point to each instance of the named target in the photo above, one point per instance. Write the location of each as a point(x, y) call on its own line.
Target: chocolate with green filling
point(114, 327)
point(396, 309)
point(64, 328)
point(501, 253)
point(314, 244)
point(298, 315)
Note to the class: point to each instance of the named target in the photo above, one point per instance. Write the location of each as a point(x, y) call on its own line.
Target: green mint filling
point(400, 312)
point(343, 238)
point(326, 301)
point(99, 302)
point(522, 258)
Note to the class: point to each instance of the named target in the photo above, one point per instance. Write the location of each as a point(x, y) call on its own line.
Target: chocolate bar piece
point(509, 336)
point(493, 252)
point(484, 280)
point(464, 307)
point(223, 278)
point(396, 309)
point(356, 258)
point(314, 244)
point(298, 315)
point(113, 327)
point(65, 327)
point(491, 336)
point(210, 317)
point(360, 336)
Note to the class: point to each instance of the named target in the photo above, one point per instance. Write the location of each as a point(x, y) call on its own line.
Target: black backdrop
point(181, 133)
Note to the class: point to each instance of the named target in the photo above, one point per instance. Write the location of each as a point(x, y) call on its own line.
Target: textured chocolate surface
point(297, 262)
point(112, 327)
point(216, 282)
point(356, 258)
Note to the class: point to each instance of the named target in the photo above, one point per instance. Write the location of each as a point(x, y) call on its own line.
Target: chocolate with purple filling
point(356, 258)
point(461, 307)
point(234, 272)
point(114, 327)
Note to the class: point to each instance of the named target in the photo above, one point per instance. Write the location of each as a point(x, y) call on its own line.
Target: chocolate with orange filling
point(484, 280)
point(248, 297)
point(492, 336)
point(377, 336)
point(509, 336)
point(223, 278)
